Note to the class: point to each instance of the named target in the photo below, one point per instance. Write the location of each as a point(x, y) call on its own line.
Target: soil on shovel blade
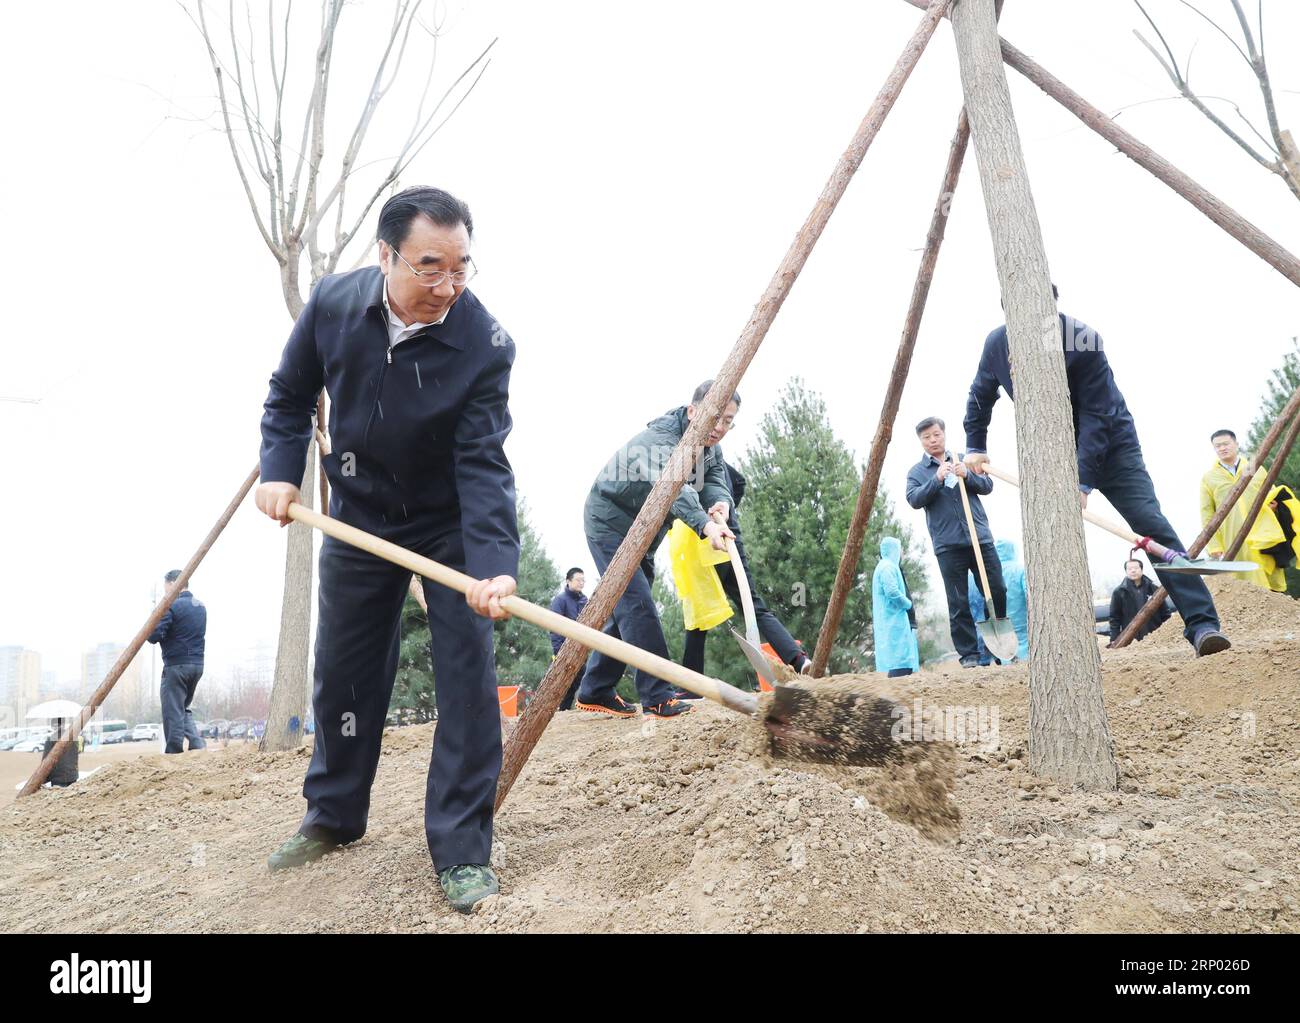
point(685, 825)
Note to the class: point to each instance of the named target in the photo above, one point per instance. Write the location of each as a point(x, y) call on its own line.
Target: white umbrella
point(54, 709)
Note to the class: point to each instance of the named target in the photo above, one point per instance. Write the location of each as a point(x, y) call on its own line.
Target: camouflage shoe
point(466, 884)
point(299, 850)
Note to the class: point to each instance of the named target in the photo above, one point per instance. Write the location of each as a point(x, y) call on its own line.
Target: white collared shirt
point(399, 331)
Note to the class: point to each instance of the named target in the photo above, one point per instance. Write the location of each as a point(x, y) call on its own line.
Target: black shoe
point(683, 694)
point(1210, 641)
point(613, 704)
point(971, 661)
point(670, 709)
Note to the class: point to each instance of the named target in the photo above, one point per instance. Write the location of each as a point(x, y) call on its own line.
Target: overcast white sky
point(636, 173)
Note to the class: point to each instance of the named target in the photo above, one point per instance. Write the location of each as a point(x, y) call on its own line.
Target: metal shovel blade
point(1205, 566)
point(999, 635)
point(832, 724)
point(757, 659)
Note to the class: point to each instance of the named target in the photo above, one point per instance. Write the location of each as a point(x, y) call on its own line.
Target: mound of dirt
point(643, 825)
point(1244, 609)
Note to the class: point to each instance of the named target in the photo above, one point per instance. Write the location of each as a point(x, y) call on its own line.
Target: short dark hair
point(1134, 561)
point(172, 576)
point(703, 389)
point(1221, 433)
point(928, 422)
point(572, 572)
point(443, 208)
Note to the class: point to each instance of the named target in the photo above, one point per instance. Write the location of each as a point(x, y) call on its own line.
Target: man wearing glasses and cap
point(418, 376)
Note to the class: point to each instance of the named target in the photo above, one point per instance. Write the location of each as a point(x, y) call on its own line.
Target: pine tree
point(1282, 384)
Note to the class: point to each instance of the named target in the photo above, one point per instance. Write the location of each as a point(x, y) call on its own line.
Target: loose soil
point(682, 825)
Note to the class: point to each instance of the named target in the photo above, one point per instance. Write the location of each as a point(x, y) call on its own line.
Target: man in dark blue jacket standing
point(569, 602)
point(1109, 456)
point(418, 375)
point(932, 484)
point(181, 634)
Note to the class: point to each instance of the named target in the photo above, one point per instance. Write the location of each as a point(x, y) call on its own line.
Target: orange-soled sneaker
point(668, 709)
point(613, 704)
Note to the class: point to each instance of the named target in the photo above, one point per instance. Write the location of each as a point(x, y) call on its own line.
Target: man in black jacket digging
point(418, 375)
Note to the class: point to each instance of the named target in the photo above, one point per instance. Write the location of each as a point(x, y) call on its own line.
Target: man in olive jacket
point(612, 505)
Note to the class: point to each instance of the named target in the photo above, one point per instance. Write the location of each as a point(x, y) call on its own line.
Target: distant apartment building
point(129, 697)
point(20, 684)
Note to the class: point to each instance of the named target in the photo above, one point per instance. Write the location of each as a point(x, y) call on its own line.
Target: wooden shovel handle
point(975, 544)
point(710, 688)
point(742, 582)
point(1096, 520)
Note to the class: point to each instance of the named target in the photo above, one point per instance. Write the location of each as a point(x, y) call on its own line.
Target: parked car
point(34, 743)
point(146, 733)
point(238, 730)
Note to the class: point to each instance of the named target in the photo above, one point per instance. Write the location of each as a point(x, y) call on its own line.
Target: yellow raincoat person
point(1265, 533)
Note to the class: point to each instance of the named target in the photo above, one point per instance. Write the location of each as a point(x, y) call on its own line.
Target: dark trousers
point(177, 693)
point(357, 638)
point(898, 672)
point(635, 620)
point(1127, 485)
point(769, 626)
point(954, 566)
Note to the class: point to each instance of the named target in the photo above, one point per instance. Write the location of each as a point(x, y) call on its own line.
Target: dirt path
point(677, 828)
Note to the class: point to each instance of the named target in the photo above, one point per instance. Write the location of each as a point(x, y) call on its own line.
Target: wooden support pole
point(1069, 735)
point(627, 559)
point(114, 673)
point(1205, 201)
point(1291, 410)
point(847, 573)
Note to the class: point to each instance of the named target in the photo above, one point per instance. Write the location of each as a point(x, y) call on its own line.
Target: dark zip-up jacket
point(569, 604)
point(182, 630)
point(1100, 414)
point(417, 430)
point(944, 515)
point(625, 482)
point(1127, 600)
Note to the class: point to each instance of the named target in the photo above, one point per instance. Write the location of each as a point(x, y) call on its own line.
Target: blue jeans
point(177, 693)
point(635, 620)
point(1127, 485)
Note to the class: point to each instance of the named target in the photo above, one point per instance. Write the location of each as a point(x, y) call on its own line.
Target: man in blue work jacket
point(1109, 456)
point(181, 634)
point(418, 375)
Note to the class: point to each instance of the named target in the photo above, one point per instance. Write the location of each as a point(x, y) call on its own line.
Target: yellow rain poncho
point(1265, 533)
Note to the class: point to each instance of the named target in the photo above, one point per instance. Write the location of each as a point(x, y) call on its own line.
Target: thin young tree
point(1275, 150)
point(309, 215)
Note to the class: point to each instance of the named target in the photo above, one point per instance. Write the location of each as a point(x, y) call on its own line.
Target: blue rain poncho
point(895, 638)
point(1013, 574)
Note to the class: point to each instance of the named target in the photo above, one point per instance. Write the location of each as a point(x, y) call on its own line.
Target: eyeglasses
point(436, 278)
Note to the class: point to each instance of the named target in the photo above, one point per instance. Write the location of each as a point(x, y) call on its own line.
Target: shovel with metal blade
point(750, 642)
point(836, 723)
point(1162, 558)
point(999, 634)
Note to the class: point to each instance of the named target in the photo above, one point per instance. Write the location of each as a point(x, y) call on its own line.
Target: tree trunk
point(1069, 737)
point(289, 692)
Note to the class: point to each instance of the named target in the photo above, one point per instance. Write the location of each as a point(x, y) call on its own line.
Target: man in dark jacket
point(769, 626)
point(1109, 456)
point(181, 634)
point(418, 375)
point(612, 505)
point(1128, 599)
point(932, 484)
point(569, 602)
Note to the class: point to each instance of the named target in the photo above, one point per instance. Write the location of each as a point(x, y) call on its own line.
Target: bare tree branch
point(1217, 27)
